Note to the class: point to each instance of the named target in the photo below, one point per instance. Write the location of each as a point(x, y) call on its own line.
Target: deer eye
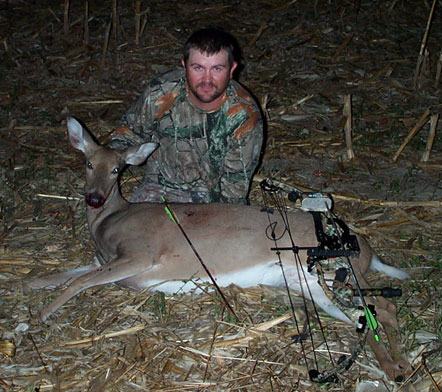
point(89, 165)
point(115, 170)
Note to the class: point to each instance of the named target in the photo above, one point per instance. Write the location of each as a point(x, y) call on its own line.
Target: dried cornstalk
point(438, 70)
point(417, 71)
point(426, 63)
point(348, 127)
point(392, 5)
point(86, 24)
point(7, 348)
point(253, 333)
point(57, 197)
point(387, 70)
point(316, 7)
point(336, 196)
point(115, 22)
point(100, 102)
point(66, 18)
point(258, 34)
point(343, 46)
point(128, 331)
point(137, 21)
point(205, 357)
point(413, 132)
point(143, 25)
point(285, 5)
point(431, 135)
point(384, 203)
point(302, 100)
point(264, 104)
point(106, 43)
point(423, 45)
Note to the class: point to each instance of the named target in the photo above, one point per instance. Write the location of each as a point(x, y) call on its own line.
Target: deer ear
point(136, 155)
point(80, 138)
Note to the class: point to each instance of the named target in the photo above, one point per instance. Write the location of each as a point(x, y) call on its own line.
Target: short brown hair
point(211, 40)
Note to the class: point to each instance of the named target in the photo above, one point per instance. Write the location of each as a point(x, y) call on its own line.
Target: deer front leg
point(393, 361)
point(386, 315)
point(118, 270)
point(53, 281)
point(391, 368)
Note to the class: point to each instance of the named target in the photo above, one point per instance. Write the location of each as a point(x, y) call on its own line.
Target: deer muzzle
point(95, 199)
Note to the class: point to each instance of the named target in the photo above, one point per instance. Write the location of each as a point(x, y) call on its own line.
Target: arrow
point(175, 220)
point(371, 322)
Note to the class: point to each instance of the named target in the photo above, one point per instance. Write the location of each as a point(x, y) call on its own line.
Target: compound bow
point(335, 246)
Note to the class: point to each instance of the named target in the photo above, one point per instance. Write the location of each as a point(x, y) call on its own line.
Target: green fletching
point(168, 211)
point(371, 322)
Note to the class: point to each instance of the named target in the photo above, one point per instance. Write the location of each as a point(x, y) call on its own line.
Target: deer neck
point(113, 204)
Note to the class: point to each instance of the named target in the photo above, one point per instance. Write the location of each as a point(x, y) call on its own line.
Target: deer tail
point(377, 265)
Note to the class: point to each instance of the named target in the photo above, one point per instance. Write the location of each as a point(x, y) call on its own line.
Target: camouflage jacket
point(202, 156)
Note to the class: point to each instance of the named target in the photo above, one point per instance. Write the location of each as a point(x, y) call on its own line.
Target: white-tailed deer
point(138, 246)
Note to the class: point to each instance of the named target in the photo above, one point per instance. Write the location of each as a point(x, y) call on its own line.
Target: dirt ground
point(302, 60)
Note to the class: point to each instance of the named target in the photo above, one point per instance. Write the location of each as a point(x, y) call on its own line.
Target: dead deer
point(138, 246)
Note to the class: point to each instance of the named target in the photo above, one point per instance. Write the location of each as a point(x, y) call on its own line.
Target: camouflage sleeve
point(135, 125)
point(241, 160)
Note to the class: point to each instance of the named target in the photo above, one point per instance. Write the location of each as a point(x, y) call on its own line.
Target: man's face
point(208, 77)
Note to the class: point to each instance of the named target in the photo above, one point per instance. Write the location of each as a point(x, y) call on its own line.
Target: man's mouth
point(206, 86)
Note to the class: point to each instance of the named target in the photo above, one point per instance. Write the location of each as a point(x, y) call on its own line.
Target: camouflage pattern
point(203, 157)
point(332, 263)
point(339, 293)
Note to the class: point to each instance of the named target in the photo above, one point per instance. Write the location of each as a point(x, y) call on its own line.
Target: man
point(208, 127)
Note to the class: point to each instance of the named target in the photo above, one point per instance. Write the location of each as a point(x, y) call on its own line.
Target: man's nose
point(207, 77)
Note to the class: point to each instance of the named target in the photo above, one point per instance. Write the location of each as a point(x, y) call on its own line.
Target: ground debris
point(301, 59)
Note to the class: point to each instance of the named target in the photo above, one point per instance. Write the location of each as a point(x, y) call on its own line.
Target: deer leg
point(117, 270)
point(393, 361)
point(55, 280)
point(386, 315)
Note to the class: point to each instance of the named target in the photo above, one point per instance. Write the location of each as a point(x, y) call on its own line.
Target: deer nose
point(95, 200)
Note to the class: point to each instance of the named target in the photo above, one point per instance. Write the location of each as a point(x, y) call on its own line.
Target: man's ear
point(234, 65)
point(183, 63)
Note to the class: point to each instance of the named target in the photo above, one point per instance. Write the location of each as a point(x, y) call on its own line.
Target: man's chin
point(206, 98)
